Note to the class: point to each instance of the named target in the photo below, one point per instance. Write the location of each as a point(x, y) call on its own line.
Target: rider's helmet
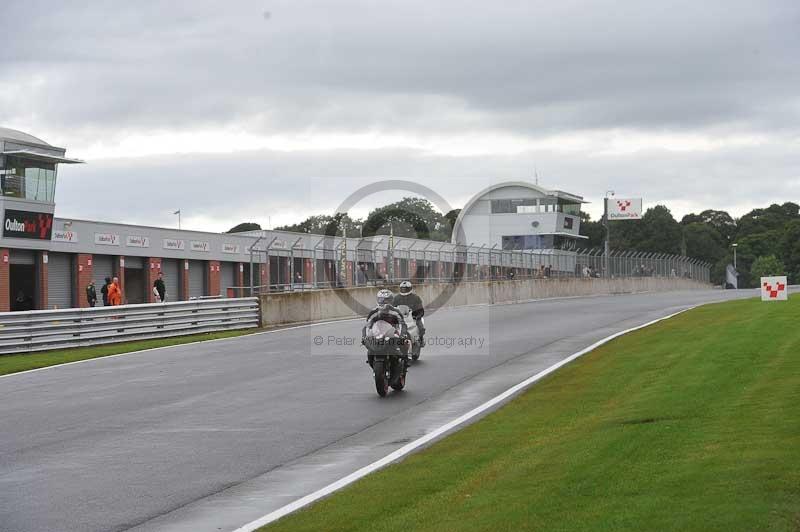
point(384, 297)
point(406, 287)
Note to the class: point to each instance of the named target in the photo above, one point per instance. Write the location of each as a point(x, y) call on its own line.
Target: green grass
point(691, 424)
point(24, 362)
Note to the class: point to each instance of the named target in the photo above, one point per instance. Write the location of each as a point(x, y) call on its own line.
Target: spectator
point(22, 302)
point(114, 293)
point(548, 271)
point(104, 291)
point(91, 294)
point(160, 289)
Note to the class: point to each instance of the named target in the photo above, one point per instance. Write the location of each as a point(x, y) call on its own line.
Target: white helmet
point(384, 297)
point(406, 288)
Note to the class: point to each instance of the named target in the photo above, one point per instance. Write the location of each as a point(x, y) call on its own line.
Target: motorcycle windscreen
point(382, 329)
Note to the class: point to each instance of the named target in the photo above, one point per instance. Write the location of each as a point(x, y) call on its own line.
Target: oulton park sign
point(26, 224)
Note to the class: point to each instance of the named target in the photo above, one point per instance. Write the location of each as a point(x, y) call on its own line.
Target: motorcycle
point(383, 342)
point(413, 332)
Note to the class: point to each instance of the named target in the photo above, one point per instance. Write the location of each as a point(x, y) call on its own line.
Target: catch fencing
point(39, 330)
point(340, 263)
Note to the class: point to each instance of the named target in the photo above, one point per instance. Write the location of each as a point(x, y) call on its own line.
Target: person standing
point(104, 291)
point(114, 293)
point(160, 289)
point(91, 294)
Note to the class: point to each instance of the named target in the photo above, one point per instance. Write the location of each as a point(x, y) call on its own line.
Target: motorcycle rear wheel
point(399, 374)
point(415, 352)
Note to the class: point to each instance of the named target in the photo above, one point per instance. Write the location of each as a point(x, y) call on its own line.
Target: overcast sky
point(271, 111)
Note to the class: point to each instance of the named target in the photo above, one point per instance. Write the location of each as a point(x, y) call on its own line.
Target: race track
point(211, 436)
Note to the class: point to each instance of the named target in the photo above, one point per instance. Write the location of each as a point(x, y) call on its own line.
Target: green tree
point(767, 266)
point(790, 250)
point(594, 230)
point(322, 224)
point(721, 221)
point(410, 217)
point(659, 232)
point(702, 241)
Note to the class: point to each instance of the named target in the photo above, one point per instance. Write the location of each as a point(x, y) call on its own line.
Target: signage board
point(26, 224)
point(65, 236)
point(135, 241)
point(774, 288)
point(106, 239)
point(624, 209)
point(197, 245)
point(171, 243)
point(230, 248)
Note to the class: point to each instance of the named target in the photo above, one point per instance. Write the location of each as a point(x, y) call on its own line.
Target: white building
point(517, 215)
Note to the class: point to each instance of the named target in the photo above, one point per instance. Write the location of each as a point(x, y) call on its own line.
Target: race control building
point(517, 215)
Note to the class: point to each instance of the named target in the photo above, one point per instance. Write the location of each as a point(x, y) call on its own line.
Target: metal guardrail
point(38, 330)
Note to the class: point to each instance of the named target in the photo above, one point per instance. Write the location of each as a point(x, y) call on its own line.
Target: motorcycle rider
point(408, 298)
point(385, 311)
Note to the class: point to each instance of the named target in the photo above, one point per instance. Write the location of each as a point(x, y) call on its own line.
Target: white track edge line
point(409, 447)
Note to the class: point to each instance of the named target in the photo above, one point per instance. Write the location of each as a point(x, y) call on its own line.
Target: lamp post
point(608, 231)
point(734, 246)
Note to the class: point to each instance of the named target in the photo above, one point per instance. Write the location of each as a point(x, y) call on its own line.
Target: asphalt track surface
point(212, 436)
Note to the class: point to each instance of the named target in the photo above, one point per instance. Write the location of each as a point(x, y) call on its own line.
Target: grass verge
point(23, 362)
point(691, 424)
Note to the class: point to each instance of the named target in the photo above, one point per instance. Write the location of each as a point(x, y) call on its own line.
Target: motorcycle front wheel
point(381, 382)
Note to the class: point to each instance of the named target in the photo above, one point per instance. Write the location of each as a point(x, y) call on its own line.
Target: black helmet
point(406, 288)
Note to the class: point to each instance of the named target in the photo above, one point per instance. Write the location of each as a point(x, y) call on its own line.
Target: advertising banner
point(65, 236)
point(106, 239)
point(774, 288)
point(171, 243)
point(26, 224)
point(135, 241)
point(198, 245)
point(624, 209)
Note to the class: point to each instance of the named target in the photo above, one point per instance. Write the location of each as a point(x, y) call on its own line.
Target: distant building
point(520, 216)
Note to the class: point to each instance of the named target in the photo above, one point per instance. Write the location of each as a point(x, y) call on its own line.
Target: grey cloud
point(228, 189)
point(530, 67)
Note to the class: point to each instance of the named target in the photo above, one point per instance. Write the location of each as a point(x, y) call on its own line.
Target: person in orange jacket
point(114, 293)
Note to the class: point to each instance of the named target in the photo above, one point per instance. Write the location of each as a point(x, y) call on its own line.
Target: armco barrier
point(38, 330)
point(318, 305)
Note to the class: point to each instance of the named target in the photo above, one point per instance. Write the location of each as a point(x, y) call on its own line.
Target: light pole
point(608, 231)
point(734, 246)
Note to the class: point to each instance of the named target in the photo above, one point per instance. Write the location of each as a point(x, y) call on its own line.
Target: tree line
point(768, 240)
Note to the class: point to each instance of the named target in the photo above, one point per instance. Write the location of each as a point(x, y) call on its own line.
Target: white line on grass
point(410, 447)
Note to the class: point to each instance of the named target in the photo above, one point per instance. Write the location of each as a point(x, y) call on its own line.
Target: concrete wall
point(319, 305)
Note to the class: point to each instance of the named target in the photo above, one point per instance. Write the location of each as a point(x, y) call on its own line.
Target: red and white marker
point(774, 289)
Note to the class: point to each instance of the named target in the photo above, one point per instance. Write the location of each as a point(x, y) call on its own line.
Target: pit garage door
point(172, 279)
point(197, 278)
point(135, 280)
point(227, 277)
point(102, 267)
point(59, 280)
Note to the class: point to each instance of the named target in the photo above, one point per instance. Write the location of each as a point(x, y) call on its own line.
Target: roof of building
point(13, 134)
